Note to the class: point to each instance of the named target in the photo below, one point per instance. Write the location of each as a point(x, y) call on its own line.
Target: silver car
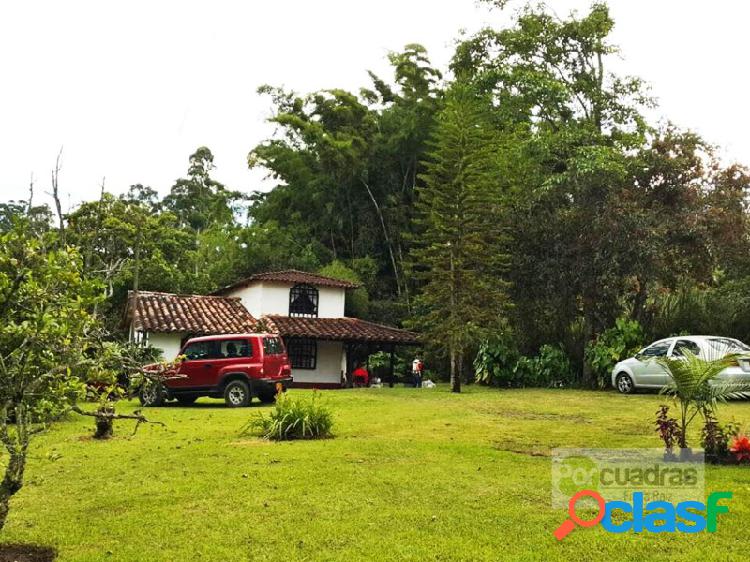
point(643, 371)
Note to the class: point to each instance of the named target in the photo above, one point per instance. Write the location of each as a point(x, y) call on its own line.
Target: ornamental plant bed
point(26, 553)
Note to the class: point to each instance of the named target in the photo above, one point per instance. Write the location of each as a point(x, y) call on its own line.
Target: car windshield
point(727, 344)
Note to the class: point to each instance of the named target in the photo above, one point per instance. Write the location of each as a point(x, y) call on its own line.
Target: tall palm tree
point(695, 387)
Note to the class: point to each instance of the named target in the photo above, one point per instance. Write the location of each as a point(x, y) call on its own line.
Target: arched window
point(303, 301)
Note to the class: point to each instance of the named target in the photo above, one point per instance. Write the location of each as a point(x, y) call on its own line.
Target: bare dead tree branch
point(30, 204)
point(56, 195)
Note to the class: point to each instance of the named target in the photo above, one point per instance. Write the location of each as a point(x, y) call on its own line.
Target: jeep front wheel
point(237, 394)
point(151, 394)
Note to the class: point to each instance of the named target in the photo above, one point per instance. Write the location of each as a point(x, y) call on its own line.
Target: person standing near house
point(360, 376)
point(416, 370)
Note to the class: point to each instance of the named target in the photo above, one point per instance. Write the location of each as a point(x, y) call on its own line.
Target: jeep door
point(199, 366)
point(274, 356)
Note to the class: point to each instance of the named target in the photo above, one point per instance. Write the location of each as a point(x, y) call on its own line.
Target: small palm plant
point(695, 387)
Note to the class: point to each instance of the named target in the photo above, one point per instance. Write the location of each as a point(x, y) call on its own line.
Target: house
point(306, 309)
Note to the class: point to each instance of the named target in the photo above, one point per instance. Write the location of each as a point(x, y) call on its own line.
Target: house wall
point(273, 298)
point(251, 297)
point(328, 369)
point(168, 343)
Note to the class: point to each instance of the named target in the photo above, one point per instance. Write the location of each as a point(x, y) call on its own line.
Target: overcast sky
point(130, 89)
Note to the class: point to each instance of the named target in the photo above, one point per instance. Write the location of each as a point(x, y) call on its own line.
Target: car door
point(648, 372)
point(232, 355)
point(274, 356)
point(199, 365)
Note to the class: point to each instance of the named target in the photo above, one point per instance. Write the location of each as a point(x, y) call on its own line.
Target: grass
point(410, 475)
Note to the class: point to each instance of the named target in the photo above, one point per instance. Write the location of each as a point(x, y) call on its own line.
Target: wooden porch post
point(390, 368)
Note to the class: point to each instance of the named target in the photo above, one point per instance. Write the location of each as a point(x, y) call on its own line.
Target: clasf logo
point(654, 517)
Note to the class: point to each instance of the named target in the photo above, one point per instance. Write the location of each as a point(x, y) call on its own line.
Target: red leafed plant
point(740, 448)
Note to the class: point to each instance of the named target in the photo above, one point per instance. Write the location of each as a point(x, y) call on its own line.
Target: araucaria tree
point(45, 334)
point(460, 250)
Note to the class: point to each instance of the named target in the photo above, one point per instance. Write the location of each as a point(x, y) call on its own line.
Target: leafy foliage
point(46, 330)
point(667, 427)
point(694, 386)
point(499, 363)
point(294, 418)
point(613, 345)
point(715, 438)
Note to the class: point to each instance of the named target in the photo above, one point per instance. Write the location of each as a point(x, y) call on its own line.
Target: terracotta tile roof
point(293, 277)
point(339, 329)
point(195, 314)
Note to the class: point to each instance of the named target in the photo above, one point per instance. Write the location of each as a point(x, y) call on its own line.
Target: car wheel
point(237, 394)
point(151, 394)
point(624, 384)
point(186, 400)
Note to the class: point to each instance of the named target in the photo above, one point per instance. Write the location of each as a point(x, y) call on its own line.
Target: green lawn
point(410, 475)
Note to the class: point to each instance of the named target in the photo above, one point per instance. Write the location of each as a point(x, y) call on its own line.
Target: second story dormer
point(291, 293)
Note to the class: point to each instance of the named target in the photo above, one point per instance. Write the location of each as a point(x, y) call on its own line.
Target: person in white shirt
point(416, 370)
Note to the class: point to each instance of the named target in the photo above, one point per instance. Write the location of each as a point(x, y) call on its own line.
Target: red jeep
point(234, 366)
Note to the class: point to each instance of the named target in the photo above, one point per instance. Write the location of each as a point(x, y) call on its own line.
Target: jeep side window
point(234, 348)
point(271, 346)
point(199, 350)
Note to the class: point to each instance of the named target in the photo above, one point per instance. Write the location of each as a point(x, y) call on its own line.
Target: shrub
point(613, 345)
point(499, 362)
point(496, 362)
point(667, 428)
point(714, 439)
point(552, 367)
point(293, 419)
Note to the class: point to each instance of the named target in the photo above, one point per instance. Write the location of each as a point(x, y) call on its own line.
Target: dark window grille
point(303, 301)
point(303, 353)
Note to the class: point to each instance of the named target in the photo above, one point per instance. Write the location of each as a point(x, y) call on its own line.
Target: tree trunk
point(105, 424)
point(12, 483)
point(56, 197)
point(455, 372)
point(639, 303)
point(388, 242)
point(588, 333)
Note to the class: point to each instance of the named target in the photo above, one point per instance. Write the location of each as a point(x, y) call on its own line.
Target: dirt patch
point(250, 443)
point(522, 448)
point(521, 415)
point(26, 553)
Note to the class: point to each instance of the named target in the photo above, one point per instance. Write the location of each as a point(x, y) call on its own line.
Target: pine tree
point(460, 254)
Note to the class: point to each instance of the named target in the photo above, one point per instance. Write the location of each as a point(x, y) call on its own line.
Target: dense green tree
point(460, 254)
point(347, 165)
point(199, 201)
point(46, 329)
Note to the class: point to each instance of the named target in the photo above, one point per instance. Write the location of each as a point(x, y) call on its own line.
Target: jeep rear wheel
point(237, 394)
point(151, 394)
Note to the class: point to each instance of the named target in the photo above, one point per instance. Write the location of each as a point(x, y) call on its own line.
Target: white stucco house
point(306, 309)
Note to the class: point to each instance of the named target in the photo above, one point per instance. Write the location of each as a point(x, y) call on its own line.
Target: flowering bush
point(740, 448)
